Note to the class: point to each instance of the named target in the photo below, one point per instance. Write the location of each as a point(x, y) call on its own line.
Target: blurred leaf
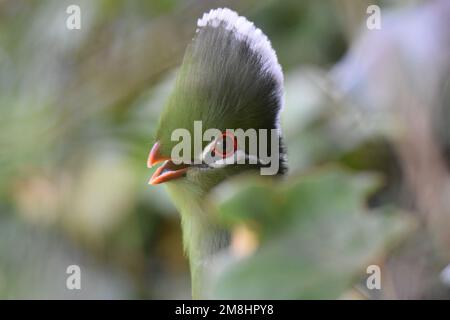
point(325, 237)
point(265, 203)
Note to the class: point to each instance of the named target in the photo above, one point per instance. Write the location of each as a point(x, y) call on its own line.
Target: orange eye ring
point(223, 139)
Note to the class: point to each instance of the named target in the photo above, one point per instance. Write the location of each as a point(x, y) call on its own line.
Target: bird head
point(230, 79)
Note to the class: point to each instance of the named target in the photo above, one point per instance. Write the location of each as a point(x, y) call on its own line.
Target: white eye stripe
point(212, 147)
point(208, 149)
point(236, 157)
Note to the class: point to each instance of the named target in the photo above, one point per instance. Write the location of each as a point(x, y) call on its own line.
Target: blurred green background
point(77, 116)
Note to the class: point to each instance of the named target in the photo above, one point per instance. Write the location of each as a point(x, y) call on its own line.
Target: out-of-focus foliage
point(310, 248)
point(78, 109)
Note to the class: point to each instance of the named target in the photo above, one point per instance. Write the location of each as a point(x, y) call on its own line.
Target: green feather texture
point(229, 79)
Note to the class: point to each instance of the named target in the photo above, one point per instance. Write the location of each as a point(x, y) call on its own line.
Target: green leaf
point(329, 240)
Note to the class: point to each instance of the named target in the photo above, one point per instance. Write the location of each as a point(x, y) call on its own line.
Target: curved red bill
point(155, 156)
point(168, 171)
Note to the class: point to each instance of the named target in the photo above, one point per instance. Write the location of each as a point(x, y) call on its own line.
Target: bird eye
point(225, 146)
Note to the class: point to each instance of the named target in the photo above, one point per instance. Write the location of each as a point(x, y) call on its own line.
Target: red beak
point(154, 156)
point(168, 170)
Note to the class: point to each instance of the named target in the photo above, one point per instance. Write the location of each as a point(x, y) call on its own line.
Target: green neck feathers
point(202, 235)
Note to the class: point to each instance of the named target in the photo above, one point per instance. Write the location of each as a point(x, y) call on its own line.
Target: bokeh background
point(366, 123)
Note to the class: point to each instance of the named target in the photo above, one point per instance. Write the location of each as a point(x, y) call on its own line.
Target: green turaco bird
point(229, 79)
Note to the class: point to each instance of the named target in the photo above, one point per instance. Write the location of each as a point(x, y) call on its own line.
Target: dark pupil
point(225, 146)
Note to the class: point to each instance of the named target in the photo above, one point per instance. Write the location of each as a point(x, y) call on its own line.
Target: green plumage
point(229, 79)
point(222, 83)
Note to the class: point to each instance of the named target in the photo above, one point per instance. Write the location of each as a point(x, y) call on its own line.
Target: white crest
point(245, 30)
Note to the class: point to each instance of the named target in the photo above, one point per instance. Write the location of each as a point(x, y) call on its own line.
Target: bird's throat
point(203, 237)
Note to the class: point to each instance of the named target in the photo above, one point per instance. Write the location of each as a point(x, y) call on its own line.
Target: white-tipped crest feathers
point(245, 30)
